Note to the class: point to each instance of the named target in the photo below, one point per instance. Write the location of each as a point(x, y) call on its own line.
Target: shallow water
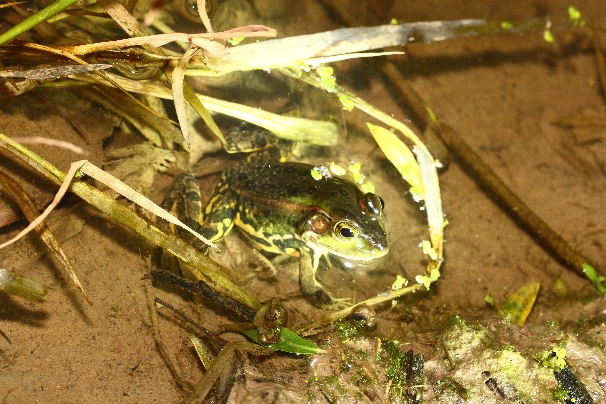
point(502, 93)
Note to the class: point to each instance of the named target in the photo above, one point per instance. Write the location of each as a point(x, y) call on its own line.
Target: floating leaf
point(326, 78)
point(354, 169)
point(429, 250)
point(367, 187)
point(337, 169)
point(289, 342)
point(519, 305)
point(592, 275)
point(574, 16)
point(559, 287)
point(399, 283)
point(236, 40)
point(316, 174)
point(424, 280)
point(346, 102)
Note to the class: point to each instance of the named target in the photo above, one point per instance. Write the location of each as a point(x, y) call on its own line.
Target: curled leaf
point(400, 156)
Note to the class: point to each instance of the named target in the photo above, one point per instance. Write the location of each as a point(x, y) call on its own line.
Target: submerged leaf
point(201, 350)
point(520, 304)
point(21, 286)
point(18, 194)
point(289, 342)
point(49, 73)
point(400, 156)
point(318, 47)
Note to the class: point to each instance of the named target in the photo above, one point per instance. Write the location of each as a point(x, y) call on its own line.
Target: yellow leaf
point(520, 303)
point(400, 156)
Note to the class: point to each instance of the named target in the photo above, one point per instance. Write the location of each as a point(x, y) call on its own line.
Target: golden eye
point(346, 230)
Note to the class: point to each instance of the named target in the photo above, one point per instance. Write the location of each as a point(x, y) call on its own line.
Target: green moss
point(403, 369)
point(349, 330)
point(332, 387)
point(362, 354)
point(553, 325)
point(364, 378)
point(394, 358)
point(449, 390)
point(554, 359)
point(462, 340)
point(560, 394)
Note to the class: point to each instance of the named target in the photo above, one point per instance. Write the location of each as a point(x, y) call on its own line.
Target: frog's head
point(353, 234)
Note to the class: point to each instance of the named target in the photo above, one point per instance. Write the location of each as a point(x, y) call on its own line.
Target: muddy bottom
point(503, 94)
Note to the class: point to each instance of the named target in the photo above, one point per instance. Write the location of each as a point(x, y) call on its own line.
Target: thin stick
point(153, 313)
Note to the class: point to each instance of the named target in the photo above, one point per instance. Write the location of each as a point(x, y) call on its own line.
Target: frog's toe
point(338, 304)
point(325, 301)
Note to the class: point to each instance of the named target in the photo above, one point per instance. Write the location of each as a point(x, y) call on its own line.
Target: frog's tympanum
point(283, 209)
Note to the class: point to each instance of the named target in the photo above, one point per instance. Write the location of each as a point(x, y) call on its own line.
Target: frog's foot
point(337, 304)
point(266, 270)
point(308, 262)
point(322, 299)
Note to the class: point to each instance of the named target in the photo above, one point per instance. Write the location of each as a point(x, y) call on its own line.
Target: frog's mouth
point(357, 258)
point(366, 261)
point(357, 263)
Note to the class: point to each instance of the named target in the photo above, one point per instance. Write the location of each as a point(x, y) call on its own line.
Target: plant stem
point(35, 19)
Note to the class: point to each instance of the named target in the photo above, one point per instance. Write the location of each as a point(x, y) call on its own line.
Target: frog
point(286, 207)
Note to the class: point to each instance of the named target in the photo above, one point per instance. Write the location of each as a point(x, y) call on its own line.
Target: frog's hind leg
point(219, 213)
point(184, 200)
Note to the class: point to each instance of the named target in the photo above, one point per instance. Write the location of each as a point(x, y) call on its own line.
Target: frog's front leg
point(308, 264)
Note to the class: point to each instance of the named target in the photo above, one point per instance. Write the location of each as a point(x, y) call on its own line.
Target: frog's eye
point(345, 230)
point(371, 203)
